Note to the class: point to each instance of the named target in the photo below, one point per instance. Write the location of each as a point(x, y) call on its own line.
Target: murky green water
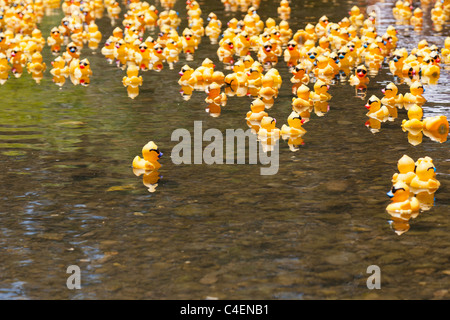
point(69, 196)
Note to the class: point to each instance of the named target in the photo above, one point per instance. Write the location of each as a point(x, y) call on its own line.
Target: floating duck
point(436, 128)
point(406, 167)
point(425, 176)
point(414, 96)
point(414, 125)
point(93, 36)
point(132, 81)
point(303, 104)
point(17, 59)
point(189, 44)
point(284, 10)
point(360, 78)
point(356, 17)
point(55, 40)
point(268, 134)
point(417, 19)
point(80, 72)
point(60, 71)
point(323, 68)
point(401, 201)
point(294, 128)
point(320, 92)
point(300, 75)
point(214, 95)
point(267, 54)
point(213, 28)
point(291, 54)
point(268, 92)
point(151, 155)
point(36, 67)
point(256, 114)
point(321, 26)
point(376, 110)
point(226, 52)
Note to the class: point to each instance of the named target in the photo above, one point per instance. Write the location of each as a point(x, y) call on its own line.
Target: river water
point(69, 196)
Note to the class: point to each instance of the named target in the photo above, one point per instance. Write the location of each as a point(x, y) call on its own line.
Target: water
point(69, 196)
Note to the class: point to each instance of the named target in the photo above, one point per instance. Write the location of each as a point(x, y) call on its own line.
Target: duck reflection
point(150, 178)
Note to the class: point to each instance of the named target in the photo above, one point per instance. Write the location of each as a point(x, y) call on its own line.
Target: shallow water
point(69, 196)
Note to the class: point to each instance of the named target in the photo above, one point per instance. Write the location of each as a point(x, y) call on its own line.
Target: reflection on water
point(70, 197)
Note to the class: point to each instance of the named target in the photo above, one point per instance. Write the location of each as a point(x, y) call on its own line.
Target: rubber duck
point(113, 12)
point(401, 201)
point(226, 52)
point(323, 68)
point(268, 91)
point(213, 29)
point(392, 99)
point(291, 54)
point(417, 19)
point(324, 46)
point(36, 67)
point(430, 70)
point(142, 56)
point(344, 58)
point(436, 128)
point(294, 128)
point(425, 176)
point(4, 68)
point(309, 33)
point(256, 114)
point(71, 53)
point(253, 75)
point(376, 110)
point(132, 81)
point(197, 29)
point(414, 96)
point(360, 78)
point(186, 78)
point(241, 44)
point(266, 55)
point(80, 72)
point(38, 39)
point(55, 40)
point(406, 167)
point(275, 75)
point(214, 95)
point(438, 15)
point(171, 53)
point(284, 10)
point(320, 92)
point(189, 44)
point(303, 104)
point(59, 71)
point(151, 155)
point(396, 64)
point(321, 26)
point(93, 36)
point(356, 17)
point(299, 74)
point(268, 134)
point(414, 125)
point(17, 59)
point(285, 32)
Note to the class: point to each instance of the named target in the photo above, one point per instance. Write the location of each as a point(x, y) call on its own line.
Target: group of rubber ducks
point(148, 165)
point(242, 5)
point(413, 190)
point(404, 14)
point(21, 42)
point(423, 63)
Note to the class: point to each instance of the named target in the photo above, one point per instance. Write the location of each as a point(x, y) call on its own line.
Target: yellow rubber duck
point(406, 167)
point(151, 155)
point(425, 176)
point(132, 81)
point(213, 28)
point(36, 67)
point(360, 78)
point(376, 110)
point(436, 128)
point(268, 134)
point(55, 40)
point(303, 104)
point(257, 112)
point(268, 92)
point(300, 75)
point(401, 201)
point(215, 96)
point(291, 54)
point(4, 68)
point(320, 92)
point(294, 128)
point(59, 71)
point(80, 72)
point(415, 95)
